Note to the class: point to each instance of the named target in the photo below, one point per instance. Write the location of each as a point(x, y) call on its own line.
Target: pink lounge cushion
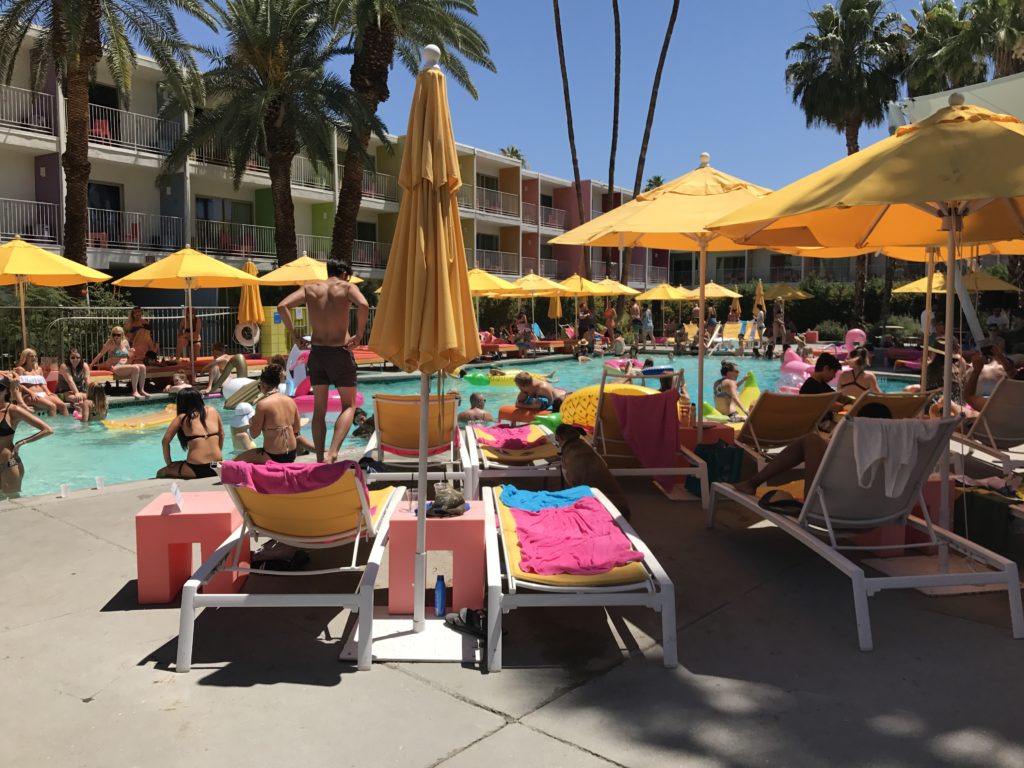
point(286, 478)
point(508, 437)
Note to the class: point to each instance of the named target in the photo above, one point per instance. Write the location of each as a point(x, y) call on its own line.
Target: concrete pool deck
point(769, 668)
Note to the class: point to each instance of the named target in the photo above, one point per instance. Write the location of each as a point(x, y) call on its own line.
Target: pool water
point(79, 453)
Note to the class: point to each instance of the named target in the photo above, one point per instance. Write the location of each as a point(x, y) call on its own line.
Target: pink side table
point(463, 535)
point(164, 536)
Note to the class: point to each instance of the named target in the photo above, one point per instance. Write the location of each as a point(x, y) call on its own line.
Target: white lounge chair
point(836, 504)
point(488, 463)
point(642, 583)
point(777, 419)
point(999, 428)
point(335, 515)
point(902, 405)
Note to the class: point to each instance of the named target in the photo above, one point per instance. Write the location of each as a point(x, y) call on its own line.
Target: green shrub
point(830, 330)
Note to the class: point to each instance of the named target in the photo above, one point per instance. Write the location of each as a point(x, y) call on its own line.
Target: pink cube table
point(463, 535)
point(164, 536)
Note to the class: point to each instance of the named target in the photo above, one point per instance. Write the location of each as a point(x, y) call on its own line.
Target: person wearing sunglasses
point(33, 385)
point(115, 356)
point(73, 382)
point(12, 471)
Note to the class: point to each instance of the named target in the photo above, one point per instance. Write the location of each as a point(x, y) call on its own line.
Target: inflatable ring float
point(247, 334)
point(580, 408)
point(145, 420)
point(240, 390)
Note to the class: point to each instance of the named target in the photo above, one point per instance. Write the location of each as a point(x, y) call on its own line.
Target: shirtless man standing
point(331, 361)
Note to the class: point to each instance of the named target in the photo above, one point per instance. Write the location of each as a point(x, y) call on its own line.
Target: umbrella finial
point(188, 245)
point(705, 160)
point(430, 54)
point(303, 254)
point(956, 99)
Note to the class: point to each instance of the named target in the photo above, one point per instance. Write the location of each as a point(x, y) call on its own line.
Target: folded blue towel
point(535, 501)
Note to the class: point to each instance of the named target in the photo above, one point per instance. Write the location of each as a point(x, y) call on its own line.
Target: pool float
point(303, 398)
point(748, 394)
point(550, 420)
point(482, 378)
point(580, 407)
point(240, 390)
point(620, 364)
point(145, 420)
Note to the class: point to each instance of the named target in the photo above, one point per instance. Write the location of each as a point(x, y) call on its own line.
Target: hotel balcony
point(314, 246)
point(306, 172)
point(135, 231)
point(226, 238)
point(784, 274)
point(36, 222)
point(637, 275)
point(498, 203)
point(465, 196)
point(27, 110)
point(657, 275)
point(597, 270)
point(529, 213)
point(549, 268)
point(369, 254)
point(553, 218)
point(497, 262)
point(376, 186)
point(119, 128)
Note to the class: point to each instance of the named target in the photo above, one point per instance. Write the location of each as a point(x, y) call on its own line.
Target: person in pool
point(179, 381)
point(12, 471)
point(476, 412)
point(858, 379)
point(727, 394)
point(33, 385)
point(73, 382)
point(97, 398)
point(537, 394)
point(114, 355)
point(201, 434)
point(277, 419)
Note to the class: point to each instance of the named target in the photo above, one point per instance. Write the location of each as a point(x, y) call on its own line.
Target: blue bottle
point(440, 597)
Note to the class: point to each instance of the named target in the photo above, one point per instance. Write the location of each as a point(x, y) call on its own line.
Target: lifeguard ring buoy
point(247, 334)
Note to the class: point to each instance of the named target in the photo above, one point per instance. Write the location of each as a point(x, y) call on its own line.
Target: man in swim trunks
point(537, 394)
point(331, 361)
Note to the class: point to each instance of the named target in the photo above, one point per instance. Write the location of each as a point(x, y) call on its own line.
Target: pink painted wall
point(531, 191)
point(570, 256)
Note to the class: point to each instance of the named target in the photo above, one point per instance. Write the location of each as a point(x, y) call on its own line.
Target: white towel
point(891, 445)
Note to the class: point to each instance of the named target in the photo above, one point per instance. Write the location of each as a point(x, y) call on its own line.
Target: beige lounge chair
point(998, 432)
point(902, 405)
point(776, 420)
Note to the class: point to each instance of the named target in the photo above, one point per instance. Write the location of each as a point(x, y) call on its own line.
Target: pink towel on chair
point(579, 539)
point(508, 437)
point(286, 478)
point(650, 427)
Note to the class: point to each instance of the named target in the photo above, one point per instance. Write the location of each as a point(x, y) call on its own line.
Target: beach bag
point(725, 464)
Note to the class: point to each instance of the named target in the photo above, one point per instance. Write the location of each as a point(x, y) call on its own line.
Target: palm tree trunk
point(585, 264)
point(615, 123)
point(887, 291)
point(852, 133)
point(1016, 269)
point(280, 170)
point(642, 160)
point(371, 64)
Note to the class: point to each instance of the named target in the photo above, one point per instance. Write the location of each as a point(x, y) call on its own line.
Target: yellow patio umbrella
point(715, 291)
point(185, 270)
point(580, 286)
point(425, 319)
point(302, 270)
point(786, 292)
point(664, 292)
point(22, 263)
point(974, 282)
point(534, 285)
point(483, 283)
point(615, 288)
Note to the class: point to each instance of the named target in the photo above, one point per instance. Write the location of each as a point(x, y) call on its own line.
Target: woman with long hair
point(200, 432)
point(12, 471)
point(33, 384)
point(115, 356)
point(858, 379)
point(135, 323)
point(277, 419)
point(189, 333)
point(97, 399)
point(73, 382)
point(727, 393)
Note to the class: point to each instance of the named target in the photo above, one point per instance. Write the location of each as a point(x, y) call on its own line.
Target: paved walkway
point(769, 668)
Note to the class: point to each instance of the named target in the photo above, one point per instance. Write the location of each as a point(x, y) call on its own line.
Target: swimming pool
point(78, 453)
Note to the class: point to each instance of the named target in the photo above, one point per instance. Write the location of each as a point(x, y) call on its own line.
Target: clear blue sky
point(723, 89)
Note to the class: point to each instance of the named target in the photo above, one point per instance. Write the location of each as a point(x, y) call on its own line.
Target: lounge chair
point(776, 420)
point(999, 428)
point(642, 583)
point(611, 444)
point(396, 441)
point(902, 405)
point(337, 510)
point(489, 463)
point(836, 504)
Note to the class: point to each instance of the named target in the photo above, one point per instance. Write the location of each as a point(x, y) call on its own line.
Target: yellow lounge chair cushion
point(633, 573)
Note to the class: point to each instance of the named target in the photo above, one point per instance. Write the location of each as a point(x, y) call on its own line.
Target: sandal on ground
point(781, 502)
point(469, 621)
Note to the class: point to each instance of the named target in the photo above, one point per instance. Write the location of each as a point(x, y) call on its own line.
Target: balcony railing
point(550, 217)
point(28, 110)
point(315, 246)
point(733, 275)
point(637, 274)
point(120, 128)
point(465, 197)
point(835, 270)
point(35, 222)
point(500, 203)
point(135, 231)
point(311, 173)
point(784, 275)
point(376, 186)
point(498, 262)
point(530, 213)
point(597, 270)
point(366, 253)
point(230, 239)
point(549, 267)
point(657, 275)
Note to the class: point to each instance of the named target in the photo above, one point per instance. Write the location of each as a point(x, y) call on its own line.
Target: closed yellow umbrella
point(250, 308)
point(23, 263)
point(555, 308)
point(664, 292)
point(758, 296)
point(786, 292)
point(615, 288)
point(424, 320)
point(735, 307)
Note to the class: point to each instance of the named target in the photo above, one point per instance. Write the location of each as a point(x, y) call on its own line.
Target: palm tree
point(844, 72)
point(380, 30)
point(641, 161)
point(513, 153)
point(270, 92)
point(615, 117)
point(71, 37)
point(994, 31)
point(584, 268)
point(653, 182)
point(936, 62)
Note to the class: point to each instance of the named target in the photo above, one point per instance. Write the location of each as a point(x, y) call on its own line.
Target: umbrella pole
point(953, 222)
point(927, 328)
point(191, 329)
point(700, 339)
point(420, 574)
point(21, 300)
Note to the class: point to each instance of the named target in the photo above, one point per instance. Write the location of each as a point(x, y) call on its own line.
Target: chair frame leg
point(186, 627)
point(861, 611)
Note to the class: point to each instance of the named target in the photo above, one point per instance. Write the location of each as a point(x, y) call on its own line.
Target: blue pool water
point(77, 453)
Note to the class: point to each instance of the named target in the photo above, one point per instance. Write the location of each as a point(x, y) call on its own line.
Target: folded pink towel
point(286, 478)
point(579, 539)
point(650, 427)
point(515, 438)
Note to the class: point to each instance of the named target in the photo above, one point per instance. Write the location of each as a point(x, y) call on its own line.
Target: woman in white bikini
point(114, 356)
point(12, 471)
point(33, 384)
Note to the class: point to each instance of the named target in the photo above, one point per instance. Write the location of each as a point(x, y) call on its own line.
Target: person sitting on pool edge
point(200, 432)
point(222, 366)
point(538, 395)
point(277, 419)
point(476, 411)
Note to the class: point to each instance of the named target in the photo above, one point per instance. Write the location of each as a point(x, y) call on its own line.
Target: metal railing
point(307, 172)
point(724, 276)
point(834, 270)
point(549, 268)
point(500, 203)
point(498, 262)
point(366, 253)
point(230, 239)
point(35, 222)
point(530, 213)
point(597, 270)
point(637, 274)
point(528, 264)
point(784, 274)
point(378, 186)
point(657, 275)
point(135, 231)
point(551, 217)
point(121, 128)
point(314, 246)
point(465, 196)
point(28, 110)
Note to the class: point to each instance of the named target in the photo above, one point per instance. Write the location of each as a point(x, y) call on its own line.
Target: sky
point(723, 89)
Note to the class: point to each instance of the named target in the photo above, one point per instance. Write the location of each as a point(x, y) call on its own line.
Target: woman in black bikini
point(858, 380)
point(201, 434)
point(277, 419)
point(12, 471)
